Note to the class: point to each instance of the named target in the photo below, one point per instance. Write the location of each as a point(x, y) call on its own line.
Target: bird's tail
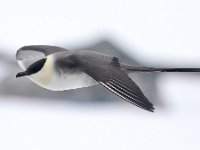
point(149, 69)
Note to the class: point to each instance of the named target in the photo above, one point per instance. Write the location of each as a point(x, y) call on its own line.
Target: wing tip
point(17, 54)
point(19, 51)
point(151, 109)
point(147, 107)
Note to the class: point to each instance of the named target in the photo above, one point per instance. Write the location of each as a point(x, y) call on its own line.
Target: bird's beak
point(21, 74)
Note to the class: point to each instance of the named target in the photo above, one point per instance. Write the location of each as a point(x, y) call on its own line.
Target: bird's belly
point(66, 82)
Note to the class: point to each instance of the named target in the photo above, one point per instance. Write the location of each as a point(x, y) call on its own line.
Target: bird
point(58, 69)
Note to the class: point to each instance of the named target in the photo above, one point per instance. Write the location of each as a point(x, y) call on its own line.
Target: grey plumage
point(106, 70)
point(92, 66)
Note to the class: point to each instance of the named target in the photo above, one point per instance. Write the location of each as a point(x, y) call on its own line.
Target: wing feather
point(131, 97)
point(106, 70)
point(27, 55)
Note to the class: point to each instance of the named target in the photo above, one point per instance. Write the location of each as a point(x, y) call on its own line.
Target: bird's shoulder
point(86, 61)
point(94, 58)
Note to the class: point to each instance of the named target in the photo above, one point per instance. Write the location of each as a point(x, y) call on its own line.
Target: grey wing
point(27, 55)
point(113, 78)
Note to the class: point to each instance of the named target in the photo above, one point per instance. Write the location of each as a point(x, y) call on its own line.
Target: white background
point(161, 32)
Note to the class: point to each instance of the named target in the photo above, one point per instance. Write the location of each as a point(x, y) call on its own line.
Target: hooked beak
point(21, 74)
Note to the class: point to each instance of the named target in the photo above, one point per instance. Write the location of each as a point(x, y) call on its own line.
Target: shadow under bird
point(58, 69)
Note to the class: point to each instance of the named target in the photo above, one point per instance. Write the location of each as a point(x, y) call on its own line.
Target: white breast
point(49, 79)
